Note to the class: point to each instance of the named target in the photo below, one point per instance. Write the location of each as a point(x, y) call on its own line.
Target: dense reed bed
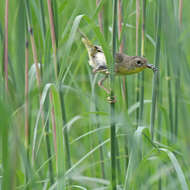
point(57, 129)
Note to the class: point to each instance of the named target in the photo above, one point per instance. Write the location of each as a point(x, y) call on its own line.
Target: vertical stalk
point(106, 19)
point(118, 161)
point(47, 139)
point(100, 18)
point(120, 26)
point(6, 44)
point(180, 11)
point(155, 79)
point(142, 73)
point(159, 136)
point(51, 176)
point(143, 26)
point(52, 29)
point(42, 17)
point(53, 39)
point(26, 101)
point(35, 58)
point(124, 90)
point(141, 112)
point(54, 45)
point(48, 145)
point(63, 111)
point(53, 125)
point(5, 148)
point(170, 101)
point(34, 51)
point(159, 121)
point(38, 77)
point(177, 91)
point(137, 48)
point(26, 121)
point(137, 24)
point(100, 141)
point(100, 21)
point(112, 105)
point(177, 82)
point(121, 47)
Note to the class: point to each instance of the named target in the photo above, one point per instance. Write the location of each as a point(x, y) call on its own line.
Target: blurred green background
point(56, 134)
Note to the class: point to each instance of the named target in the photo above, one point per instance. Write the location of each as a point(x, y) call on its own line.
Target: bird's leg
point(94, 71)
point(110, 99)
point(100, 84)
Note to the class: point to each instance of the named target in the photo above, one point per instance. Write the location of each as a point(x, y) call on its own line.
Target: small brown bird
point(125, 65)
point(96, 56)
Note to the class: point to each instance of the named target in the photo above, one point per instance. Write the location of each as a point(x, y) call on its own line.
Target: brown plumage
point(124, 64)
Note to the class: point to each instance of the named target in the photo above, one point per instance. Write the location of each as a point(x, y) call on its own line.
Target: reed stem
point(112, 105)
point(53, 124)
point(26, 98)
point(100, 22)
point(170, 100)
point(6, 44)
point(178, 78)
point(100, 17)
point(155, 79)
point(137, 53)
point(56, 69)
point(53, 38)
point(49, 154)
point(141, 114)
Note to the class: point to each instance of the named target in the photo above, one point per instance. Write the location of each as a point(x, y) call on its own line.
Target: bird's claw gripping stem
point(111, 99)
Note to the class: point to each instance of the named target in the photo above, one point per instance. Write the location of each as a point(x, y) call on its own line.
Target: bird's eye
point(98, 49)
point(139, 62)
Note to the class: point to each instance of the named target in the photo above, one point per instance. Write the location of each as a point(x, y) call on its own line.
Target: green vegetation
point(57, 129)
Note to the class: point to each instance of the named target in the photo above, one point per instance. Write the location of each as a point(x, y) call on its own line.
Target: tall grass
point(157, 60)
point(6, 44)
point(141, 100)
point(55, 121)
point(112, 105)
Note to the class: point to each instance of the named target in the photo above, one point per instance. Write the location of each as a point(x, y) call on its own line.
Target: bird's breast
point(99, 59)
point(124, 69)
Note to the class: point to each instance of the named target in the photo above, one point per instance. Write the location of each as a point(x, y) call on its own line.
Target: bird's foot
point(111, 99)
point(100, 84)
point(94, 71)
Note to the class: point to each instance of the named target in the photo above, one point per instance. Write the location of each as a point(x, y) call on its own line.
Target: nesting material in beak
point(150, 66)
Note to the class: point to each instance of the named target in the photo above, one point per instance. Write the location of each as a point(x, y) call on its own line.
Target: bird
point(96, 55)
point(124, 64)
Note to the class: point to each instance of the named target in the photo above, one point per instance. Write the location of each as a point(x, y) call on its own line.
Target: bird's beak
point(150, 66)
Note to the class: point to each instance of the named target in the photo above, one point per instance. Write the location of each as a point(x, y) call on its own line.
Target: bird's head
point(131, 64)
point(141, 62)
point(138, 62)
